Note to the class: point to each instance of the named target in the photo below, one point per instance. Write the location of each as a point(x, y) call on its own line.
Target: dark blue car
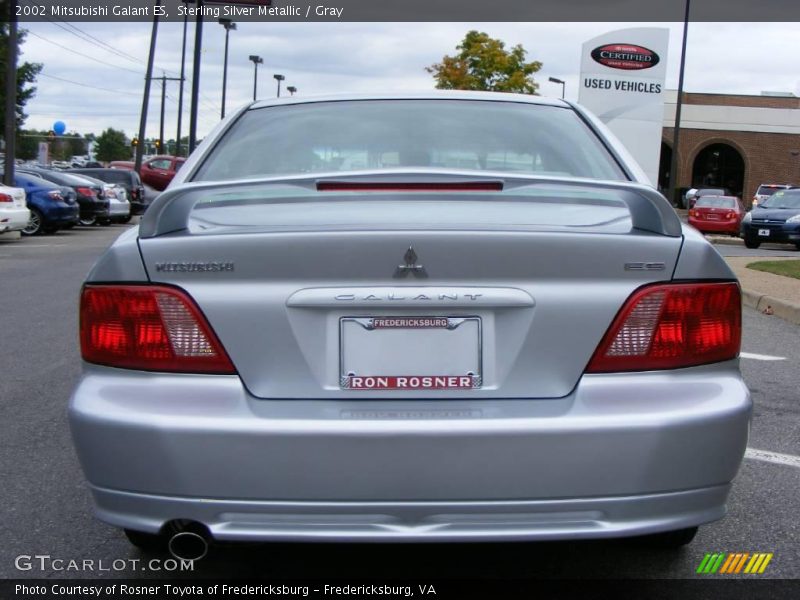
point(50, 211)
point(775, 220)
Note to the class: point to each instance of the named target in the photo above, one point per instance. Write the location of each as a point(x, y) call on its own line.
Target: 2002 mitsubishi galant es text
point(444, 316)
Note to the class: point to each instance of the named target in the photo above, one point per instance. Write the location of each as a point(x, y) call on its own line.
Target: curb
point(788, 311)
point(728, 241)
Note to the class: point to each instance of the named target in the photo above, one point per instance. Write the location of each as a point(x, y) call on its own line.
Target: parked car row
point(774, 216)
point(156, 171)
point(54, 199)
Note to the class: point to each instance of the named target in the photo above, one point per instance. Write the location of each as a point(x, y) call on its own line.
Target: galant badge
point(411, 266)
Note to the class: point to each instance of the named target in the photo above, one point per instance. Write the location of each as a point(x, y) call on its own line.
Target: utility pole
point(198, 48)
point(11, 94)
point(183, 78)
point(674, 182)
point(137, 165)
point(164, 79)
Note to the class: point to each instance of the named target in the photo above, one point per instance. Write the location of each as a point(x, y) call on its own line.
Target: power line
point(82, 54)
point(102, 89)
point(97, 41)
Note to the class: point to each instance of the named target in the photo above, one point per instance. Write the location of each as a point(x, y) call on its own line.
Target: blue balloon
point(59, 127)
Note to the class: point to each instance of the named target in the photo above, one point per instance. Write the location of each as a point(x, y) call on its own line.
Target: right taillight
point(148, 327)
point(669, 326)
point(85, 191)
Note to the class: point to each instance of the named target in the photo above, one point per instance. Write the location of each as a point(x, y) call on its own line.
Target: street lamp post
point(257, 60)
point(291, 89)
point(279, 78)
point(228, 25)
point(561, 81)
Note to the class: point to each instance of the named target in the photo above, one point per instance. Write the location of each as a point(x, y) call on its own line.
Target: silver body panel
point(538, 449)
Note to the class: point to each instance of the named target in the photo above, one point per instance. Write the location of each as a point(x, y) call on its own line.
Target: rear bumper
point(731, 227)
point(119, 210)
point(61, 215)
point(621, 455)
point(573, 518)
point(14, 219)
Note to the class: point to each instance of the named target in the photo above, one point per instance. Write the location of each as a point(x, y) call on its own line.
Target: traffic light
point(135, 142)
point(158, 144)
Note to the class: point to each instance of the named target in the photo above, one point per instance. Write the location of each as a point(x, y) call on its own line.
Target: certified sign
point(628, 57)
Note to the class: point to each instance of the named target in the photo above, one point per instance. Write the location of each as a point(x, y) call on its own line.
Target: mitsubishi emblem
point(410, 266)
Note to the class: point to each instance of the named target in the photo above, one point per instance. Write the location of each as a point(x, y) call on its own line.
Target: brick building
point(738, 142)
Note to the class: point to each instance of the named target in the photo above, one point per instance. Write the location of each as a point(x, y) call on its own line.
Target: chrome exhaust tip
point(188, 545)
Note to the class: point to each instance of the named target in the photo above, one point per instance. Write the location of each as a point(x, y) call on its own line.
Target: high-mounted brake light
point(151, 328)
point(365, 186)
point(669, 326)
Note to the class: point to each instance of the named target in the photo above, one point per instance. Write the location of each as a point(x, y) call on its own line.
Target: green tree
point(484, 63)
point(26, 73)
point(28, 143)
point(113, 145)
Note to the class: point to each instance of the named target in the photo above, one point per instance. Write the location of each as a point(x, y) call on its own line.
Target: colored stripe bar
point(703, 563)
point(765, 563)
point(741, 562)
point(728, 565)
point(718, 563)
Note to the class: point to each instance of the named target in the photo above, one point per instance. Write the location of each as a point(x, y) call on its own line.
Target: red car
point(157, 171)
point(717, 214)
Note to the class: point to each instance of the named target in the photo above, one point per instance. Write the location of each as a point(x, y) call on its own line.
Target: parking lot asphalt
point(47, 509)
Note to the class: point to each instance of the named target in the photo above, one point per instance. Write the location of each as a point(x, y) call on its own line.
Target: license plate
point(712, 217)
point(410, 353)
point(763, 232)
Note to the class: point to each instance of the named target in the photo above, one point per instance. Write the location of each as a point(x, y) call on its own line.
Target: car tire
point(87, 221)
point(669, 539)
point(35, 223)
point(146, 542)
point(751, 244)
point(797, 245)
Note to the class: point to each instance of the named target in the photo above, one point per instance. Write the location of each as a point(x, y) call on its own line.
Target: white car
point(119, 209)
point(14, 214)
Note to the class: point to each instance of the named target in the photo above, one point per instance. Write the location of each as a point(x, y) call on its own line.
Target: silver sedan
point(442, 316)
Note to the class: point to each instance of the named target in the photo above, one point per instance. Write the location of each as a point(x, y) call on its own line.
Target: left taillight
point(6, 198)
point(670, 326)
point(150, 328)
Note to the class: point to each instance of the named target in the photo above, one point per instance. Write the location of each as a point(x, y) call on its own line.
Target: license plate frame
point(763, 232)
point(377, 354)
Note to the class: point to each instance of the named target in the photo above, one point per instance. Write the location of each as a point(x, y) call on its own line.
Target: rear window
point(768, 190)
point(716, 202)
point(331, 137)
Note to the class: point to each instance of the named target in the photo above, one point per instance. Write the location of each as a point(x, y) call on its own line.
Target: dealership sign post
point(622, 82)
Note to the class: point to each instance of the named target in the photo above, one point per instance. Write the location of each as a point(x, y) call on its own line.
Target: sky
point(94, 72)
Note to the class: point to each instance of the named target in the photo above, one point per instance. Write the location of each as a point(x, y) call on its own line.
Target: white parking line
point(773, 457)
point(760, 356)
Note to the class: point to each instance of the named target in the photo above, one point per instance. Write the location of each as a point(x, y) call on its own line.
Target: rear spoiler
point(169, 212)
